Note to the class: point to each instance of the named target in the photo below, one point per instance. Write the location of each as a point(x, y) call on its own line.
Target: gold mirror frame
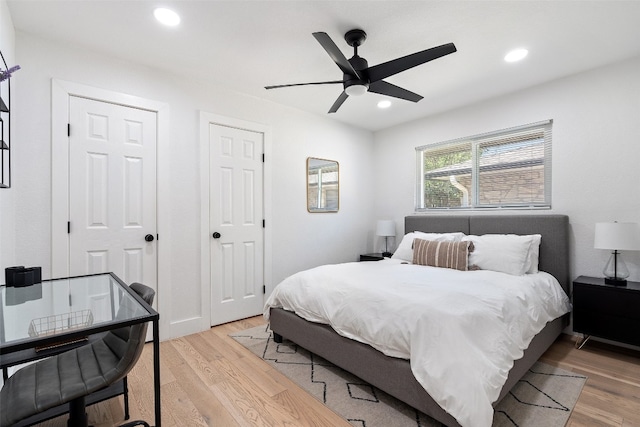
point(323, 185)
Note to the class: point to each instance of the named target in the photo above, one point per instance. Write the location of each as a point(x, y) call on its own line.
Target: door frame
point(61, 91)
point(207, 119)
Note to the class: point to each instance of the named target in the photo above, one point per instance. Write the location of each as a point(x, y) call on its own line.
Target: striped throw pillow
point(442, 254)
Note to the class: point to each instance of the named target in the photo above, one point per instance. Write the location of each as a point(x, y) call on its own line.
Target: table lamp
point(386, 228)
point(617, 236)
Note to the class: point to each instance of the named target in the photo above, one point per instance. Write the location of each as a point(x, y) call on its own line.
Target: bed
point(394, 375)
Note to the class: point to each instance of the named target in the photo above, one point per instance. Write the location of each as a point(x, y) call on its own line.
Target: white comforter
point(461, 331)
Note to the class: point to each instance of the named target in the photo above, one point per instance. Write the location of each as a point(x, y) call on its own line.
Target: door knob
point(149, 237)
point(216, 235)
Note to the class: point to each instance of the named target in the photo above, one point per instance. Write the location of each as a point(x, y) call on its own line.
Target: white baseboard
point(184, 327)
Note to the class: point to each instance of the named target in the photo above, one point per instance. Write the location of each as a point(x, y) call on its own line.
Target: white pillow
point(534, 253)
point(405, 248)
point(508, 253)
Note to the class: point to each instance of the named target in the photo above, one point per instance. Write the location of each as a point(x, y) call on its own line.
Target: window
point(508, 168)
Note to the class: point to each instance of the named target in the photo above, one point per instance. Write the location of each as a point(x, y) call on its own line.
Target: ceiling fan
point(359, 78)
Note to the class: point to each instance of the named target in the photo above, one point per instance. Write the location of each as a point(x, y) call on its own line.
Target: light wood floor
point(210, 380)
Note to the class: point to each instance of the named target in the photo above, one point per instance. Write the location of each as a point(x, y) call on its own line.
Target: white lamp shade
point(386, 228)
point(621, 236)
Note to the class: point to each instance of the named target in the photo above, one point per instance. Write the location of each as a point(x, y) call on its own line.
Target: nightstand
point(606, 311)
point(371, 257)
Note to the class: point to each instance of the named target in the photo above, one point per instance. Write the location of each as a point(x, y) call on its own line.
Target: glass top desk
point(50, 317)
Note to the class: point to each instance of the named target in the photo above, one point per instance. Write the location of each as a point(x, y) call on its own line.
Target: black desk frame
point(23, 351)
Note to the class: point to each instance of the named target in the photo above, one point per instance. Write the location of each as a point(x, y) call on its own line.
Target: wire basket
point(52, 325)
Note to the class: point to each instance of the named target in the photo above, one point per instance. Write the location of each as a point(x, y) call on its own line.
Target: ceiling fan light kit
point(356, 89)
point(359, 78)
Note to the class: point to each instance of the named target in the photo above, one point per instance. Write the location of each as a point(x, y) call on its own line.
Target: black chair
point(70, 376)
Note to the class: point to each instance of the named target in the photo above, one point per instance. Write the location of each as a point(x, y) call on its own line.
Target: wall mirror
point(323, 187)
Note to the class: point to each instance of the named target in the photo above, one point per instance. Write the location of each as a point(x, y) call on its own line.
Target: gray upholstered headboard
point(554, 246)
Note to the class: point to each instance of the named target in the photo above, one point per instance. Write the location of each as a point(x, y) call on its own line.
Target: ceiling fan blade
point(304, 84)
point(343, 96)
point(395, 66)
point(335, 53)
point(385, 88)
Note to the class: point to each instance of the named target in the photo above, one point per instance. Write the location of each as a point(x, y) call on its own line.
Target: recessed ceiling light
point(166, 16)
point(384, 104)
point(516, 55)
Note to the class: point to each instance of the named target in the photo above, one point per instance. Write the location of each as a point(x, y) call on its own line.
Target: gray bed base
point(394, 375)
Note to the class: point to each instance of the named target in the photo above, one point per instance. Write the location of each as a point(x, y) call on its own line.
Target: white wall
point(595, 162)
point(300, 239)
point(596, 152)
point(7, 195)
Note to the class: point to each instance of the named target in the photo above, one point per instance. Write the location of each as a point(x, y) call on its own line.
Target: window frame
point(500, 137)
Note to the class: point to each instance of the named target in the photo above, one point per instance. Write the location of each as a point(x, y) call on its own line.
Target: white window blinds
point(507, 168)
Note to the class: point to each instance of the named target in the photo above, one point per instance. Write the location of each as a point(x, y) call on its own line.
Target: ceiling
point(246, 45)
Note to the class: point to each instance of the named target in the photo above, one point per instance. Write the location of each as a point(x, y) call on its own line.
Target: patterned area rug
point(545, 396)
